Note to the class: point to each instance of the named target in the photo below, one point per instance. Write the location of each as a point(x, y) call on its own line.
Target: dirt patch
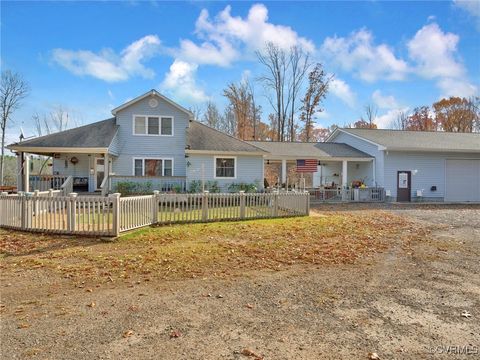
point(403, 302)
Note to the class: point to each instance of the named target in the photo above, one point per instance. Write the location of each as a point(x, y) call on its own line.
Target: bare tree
point(240, 101)
point(212, 116)
point(371, 112)
point(311, 102)
point(401, 121)
point(299, 65)
point(196, 111)
point(275, 60)
point(13, 90)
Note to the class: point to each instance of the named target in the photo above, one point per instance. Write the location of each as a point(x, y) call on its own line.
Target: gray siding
point(130, 146)
point(368, 148)
point(430, 171)
point(114, 147)
point(81, 169)
point(249, 170)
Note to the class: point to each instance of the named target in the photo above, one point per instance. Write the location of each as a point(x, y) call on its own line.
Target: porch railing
point(371, 194)
point(46, 182)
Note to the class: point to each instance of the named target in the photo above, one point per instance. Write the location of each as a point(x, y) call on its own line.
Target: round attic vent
point(153, 103)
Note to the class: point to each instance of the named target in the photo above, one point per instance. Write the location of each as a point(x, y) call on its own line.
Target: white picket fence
point(52, 212)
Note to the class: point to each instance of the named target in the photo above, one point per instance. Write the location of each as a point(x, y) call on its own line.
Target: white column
point(20, 171)
point(284, 171)
point(344, 173)
point(26, 173)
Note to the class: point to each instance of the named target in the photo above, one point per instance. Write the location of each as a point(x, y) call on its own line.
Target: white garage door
point(463, 180)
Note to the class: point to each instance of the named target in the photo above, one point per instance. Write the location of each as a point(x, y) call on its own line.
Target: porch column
point(344, 173)
point(20, 171)
point(106, 169)
point(344, 180)
point(26, 173)
point(284, 171)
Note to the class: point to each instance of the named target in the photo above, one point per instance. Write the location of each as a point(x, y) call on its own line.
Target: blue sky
point(90, 57)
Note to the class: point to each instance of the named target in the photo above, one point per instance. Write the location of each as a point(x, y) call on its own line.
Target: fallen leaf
point(23, 326)
point(466, 314)
point(250, 306)
point(373, 356)
point(175, 334)
point(127, 333)
point(248, 352)
point(92, 304)
point(88, 290)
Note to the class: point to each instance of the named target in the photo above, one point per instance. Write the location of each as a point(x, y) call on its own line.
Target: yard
point(345, 282)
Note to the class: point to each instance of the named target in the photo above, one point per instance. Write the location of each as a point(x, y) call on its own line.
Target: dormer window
point(153, 125)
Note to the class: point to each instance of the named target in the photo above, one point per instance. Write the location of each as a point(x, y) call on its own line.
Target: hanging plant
point(74, 160)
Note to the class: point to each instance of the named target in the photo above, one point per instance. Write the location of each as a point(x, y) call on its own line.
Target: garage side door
point(462, 180)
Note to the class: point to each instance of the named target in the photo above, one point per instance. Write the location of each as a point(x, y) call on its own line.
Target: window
point(153, 125)
point(153, 167)
point(225, 167)
point(167, 126)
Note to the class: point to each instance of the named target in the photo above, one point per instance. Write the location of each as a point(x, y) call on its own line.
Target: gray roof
point(204, 138)
point(96, 135)
point(309, 150)
point(420, 140)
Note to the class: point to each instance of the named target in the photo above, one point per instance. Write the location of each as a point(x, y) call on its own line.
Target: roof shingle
point(420, 140)
point(309, 150)
point(96, 135)
point(204, 138)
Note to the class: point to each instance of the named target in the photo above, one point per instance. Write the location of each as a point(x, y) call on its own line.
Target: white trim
point(160, 117)
point(334, 134)
point(215, 167)
point(152, 158)
point(152, 93)
point(47, 150)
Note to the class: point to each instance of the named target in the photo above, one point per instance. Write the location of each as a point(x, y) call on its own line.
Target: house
point(150, 139)
point(155, 143)
point(420, 165)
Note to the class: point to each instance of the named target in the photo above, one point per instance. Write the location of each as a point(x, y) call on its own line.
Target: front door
point(99, 172)
point(404, 179)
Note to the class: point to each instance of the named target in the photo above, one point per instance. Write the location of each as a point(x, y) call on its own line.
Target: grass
point(211, 249)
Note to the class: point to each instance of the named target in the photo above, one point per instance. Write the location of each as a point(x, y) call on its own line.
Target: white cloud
point(342, 90)
point(471, 6)
point(386, 120)
point(109, 66)
point(435, 55)
point(225, 38)
point(180, 82)
point(384, 101)
point(359, 54)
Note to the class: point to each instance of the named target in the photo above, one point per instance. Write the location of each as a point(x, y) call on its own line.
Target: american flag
point(307, 166)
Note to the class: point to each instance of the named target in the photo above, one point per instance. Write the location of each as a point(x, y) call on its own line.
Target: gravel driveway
point(406, 303)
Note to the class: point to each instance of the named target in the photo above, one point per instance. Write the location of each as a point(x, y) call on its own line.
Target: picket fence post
point(23, 208)
point(242, 204)
point(71, 212)
point(307, 194)
point(115, 213)
point(205, 206)
point(275, 203)
point(155, 208)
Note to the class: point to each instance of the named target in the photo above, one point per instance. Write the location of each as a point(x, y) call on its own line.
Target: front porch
point(90, 174)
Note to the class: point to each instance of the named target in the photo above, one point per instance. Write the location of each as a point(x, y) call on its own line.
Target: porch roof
point(93, 137)
point(310, 150)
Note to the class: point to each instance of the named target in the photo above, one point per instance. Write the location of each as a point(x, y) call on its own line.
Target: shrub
point(127, 188)
point(247, 187)
point(195, 186)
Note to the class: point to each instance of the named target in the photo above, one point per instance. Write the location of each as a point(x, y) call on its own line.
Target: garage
point(462, 180)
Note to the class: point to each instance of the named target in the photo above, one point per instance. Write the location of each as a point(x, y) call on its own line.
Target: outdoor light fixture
point(268, 162)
